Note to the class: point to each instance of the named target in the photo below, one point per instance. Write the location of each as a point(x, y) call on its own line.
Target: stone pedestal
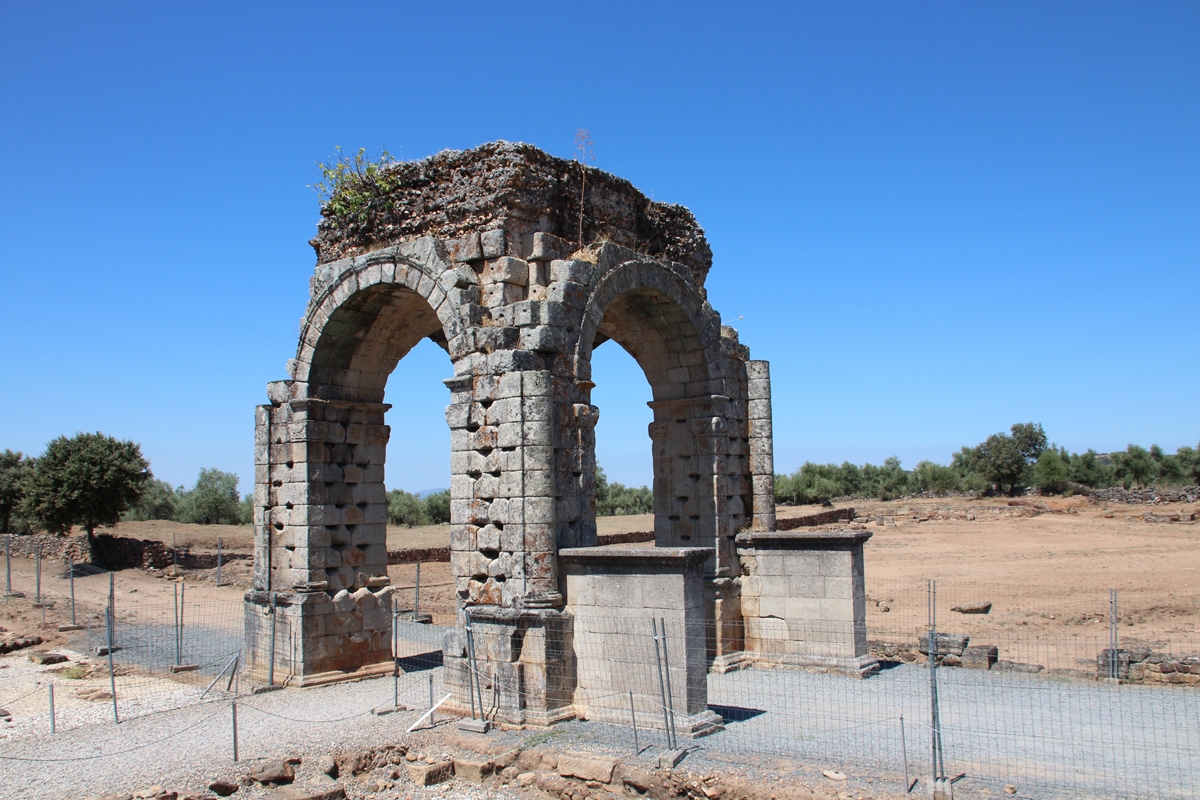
point(804, 599)
point(317, 639)
point(617, 595)
point(524, 675)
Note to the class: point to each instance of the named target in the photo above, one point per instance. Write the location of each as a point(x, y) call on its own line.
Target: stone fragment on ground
point(47, 658)
point(474, 770)
point(431, 774)
point(276, 772)
point(586, 766)
point(333, 791)
point(973, 608)
point(223, 788)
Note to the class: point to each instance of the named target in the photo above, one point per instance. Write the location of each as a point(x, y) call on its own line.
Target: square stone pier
point(804, 600)
point(618, 598)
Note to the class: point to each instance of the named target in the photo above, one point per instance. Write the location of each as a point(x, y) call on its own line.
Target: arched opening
point(667, 334)
point(621, 393)
point(360, 346)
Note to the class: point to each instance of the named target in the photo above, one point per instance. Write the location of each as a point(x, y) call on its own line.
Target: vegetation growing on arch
point(351, 184)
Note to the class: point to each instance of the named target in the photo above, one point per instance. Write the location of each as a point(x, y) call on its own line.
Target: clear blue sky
point(934, 219)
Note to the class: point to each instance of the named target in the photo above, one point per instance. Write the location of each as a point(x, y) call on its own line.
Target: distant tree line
point(213, 500)
point(617, 499)
point(91, 480)
point(1005, 463)
point(407, 509)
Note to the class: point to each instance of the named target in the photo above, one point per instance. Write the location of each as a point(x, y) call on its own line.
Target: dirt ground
point(1046, 563)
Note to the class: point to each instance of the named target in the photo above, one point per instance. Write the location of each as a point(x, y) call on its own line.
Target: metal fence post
point(112, 607)
point(904, 754)
point(935, 721)
point(1113, 669)
point(431, 705)
point(218, 582)
point(37, 555)
point(417, 595)
point(662, 692)
point(8, 565)
point(633, 719)
point(52, 708)
point(395, 660)
point(175, 609)
point(233, 707)
point(71, 573)
point(662, 623)
point(112, 677)
point(474, 667)
point(271, 660)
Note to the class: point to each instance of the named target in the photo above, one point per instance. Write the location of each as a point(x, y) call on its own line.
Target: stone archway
point(321, 592)
point(471, 250)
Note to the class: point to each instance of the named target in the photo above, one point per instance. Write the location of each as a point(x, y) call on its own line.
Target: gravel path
point(1049, 736)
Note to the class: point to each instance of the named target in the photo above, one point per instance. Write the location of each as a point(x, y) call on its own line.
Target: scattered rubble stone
point(973, 608)
point(586, 766)
point(47, 658)
point(223, 788)
point(1117, 494)
point(9, 645)
point(472, 769)
point(277, 772)
point(430, 774)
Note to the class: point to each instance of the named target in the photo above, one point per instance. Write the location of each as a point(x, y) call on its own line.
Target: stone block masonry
point(474, 251)
point(803, 599)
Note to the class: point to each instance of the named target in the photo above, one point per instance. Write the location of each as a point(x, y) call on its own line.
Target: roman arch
point(479, 252)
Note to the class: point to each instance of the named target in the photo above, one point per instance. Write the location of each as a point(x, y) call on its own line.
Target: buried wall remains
point(478, 252)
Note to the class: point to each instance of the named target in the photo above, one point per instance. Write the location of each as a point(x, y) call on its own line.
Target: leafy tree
point(1030, 440)
point(1135, 467)
point(246, 510)
point(1004, 460)
point(404, 508)
point(931, 477)
point(616, 499)
point(214, 500)
point(14, 473)
point(1189, 464)
point(1051, 471)
point(86, 480)
point(1089, 470)
point(158, 501)
point(437, 507)
point(1001, 461)
point(1170, 470)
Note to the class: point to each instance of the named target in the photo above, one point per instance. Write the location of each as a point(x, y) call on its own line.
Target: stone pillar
point(614, 593)
point(320, 541)
point(804, 599)
point(762, 457)
point(689, 442)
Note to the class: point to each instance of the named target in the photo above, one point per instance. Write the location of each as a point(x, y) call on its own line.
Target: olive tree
point(14, 472)
point(86, 480)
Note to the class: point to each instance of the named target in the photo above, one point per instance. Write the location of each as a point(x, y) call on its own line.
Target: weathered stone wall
point(616, 597)
point(518, 309)
point(521, 190)
point(804, 599)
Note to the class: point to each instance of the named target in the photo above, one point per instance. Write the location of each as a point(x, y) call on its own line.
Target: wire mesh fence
point(1079, 701)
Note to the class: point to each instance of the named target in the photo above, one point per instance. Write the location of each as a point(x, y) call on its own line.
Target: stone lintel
point(803, 539)
point(645, 557)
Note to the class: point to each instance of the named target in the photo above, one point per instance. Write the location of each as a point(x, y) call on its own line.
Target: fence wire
point(1040, 712)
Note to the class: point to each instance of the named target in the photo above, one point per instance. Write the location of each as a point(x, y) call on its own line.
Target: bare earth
point(1052, 570)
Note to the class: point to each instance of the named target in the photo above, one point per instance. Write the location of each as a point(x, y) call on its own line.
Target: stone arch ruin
point(478, 251)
